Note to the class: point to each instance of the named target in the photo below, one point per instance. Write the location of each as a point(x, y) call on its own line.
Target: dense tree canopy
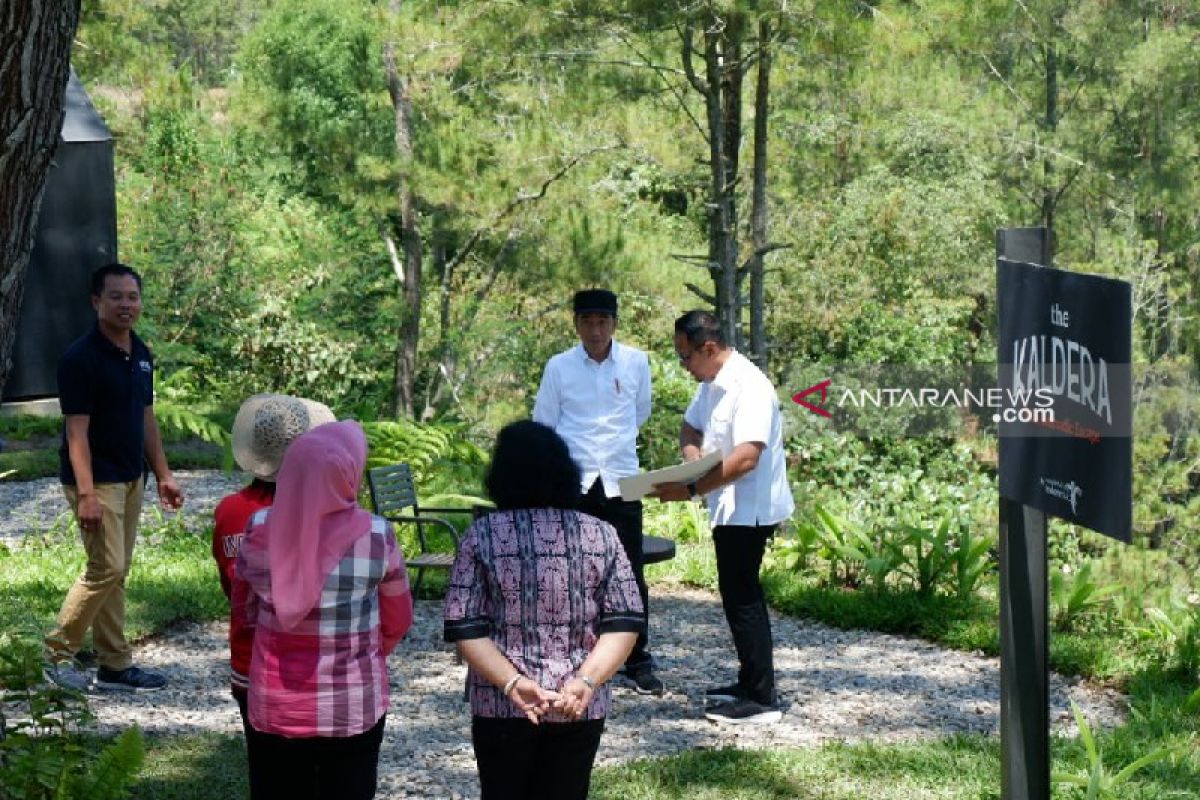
point(389, 204)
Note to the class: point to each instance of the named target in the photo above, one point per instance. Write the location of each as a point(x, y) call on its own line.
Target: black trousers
point(258, 786)
point(522, 761)
point(318, 768)
point(626, 517)
point(739, 556)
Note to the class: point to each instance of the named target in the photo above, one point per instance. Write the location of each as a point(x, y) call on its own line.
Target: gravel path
point(837, 685)
point(32, 507)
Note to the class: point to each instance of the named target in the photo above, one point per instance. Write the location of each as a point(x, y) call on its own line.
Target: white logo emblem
point(1071, 491)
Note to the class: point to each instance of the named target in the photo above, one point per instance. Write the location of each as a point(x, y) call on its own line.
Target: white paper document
point(635, 487)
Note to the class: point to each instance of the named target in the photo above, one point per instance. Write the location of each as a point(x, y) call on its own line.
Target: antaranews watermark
point(1036, 397)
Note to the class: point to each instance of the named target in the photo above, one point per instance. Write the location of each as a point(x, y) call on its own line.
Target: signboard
point(1066, 443)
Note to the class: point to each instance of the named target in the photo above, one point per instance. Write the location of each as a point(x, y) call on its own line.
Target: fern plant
point(425, 447)
point(41, 753)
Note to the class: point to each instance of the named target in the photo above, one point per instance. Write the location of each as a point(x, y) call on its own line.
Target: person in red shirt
point(264, 427)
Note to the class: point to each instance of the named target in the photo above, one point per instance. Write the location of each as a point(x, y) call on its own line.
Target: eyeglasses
point(686, 357)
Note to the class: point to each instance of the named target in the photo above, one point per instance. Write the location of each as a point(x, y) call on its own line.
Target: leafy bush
point(41, 752)
point(1074, 593)
point(1176, 630)
point(923, 558)
point(673, 390)
point(683, 522)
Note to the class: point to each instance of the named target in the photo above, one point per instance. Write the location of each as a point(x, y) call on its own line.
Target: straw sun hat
point(266, 424)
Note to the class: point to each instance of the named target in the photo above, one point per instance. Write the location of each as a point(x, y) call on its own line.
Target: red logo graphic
point(822, 387)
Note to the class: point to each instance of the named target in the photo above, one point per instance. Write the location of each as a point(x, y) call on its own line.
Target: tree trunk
point(722, 231)
point(1049, 194)
point(758, 205)
point(441, 268)
point(403, 400)
point(34, 66)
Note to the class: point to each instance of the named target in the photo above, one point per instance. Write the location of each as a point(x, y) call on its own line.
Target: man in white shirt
point(596, 396)
point(735, 412)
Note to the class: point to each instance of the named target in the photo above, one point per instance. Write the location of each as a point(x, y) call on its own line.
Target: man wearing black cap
point(595, 396)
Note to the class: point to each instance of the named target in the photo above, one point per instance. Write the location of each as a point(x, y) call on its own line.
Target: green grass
point(173, 578)
point(211, 766)
point(39, 437)
point(28, 426)
point(955, 768)
point(202, 767)
point(43, 463)
point(27, 465)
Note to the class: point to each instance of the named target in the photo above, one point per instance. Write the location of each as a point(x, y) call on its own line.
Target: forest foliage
point(276, 171)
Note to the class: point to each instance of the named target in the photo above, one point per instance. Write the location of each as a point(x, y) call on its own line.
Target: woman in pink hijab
point(330, 600)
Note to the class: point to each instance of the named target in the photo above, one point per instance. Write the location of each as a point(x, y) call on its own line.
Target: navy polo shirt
point(97, 378)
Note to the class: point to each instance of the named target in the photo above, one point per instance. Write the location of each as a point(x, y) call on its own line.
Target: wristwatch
point(691, 487)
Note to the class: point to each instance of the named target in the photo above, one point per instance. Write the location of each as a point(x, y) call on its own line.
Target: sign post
point(1024, 630)
point(1064, 352)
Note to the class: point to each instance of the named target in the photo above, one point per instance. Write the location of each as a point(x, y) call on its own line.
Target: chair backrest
point(392, 489)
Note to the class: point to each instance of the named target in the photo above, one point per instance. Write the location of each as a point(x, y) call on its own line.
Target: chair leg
point(416, 588)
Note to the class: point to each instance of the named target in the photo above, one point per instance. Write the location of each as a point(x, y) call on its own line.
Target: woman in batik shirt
point(544, 608)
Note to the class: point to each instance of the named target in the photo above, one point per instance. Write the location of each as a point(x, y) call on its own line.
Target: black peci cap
point(595, 301)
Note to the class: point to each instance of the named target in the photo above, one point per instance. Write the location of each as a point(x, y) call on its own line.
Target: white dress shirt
point(738, 406)
point(597, 408)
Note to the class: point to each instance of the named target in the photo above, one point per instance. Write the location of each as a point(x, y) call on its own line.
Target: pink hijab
point(316, 516)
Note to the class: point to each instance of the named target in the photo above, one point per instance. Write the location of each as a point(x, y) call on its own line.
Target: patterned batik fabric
point(542, 584)
point(328, 675)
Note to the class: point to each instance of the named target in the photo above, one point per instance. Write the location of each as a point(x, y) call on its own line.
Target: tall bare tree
point(34, 66)
point(407, 265)
point(731, 44)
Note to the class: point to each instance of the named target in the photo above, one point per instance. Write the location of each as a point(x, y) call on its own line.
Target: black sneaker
point(724, 694)
point(87, 659)
point(646, 682)
point(130, 679)
point(744, 712)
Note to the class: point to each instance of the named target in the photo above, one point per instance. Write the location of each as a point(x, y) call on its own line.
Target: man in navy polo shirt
point(106, 390)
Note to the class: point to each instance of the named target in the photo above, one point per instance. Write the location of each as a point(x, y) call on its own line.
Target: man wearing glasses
point(596, 396)
point(735, 412)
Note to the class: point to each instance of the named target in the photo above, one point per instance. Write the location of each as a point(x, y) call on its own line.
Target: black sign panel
point(1066, 444)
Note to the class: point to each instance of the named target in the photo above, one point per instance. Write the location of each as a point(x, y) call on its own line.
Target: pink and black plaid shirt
point(328, 675)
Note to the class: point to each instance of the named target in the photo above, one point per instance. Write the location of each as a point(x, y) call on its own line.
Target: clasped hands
point(535, 701)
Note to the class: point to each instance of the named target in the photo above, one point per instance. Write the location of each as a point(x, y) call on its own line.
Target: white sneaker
point(744, 712)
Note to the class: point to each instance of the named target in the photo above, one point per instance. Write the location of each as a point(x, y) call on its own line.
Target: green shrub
point(42, 755)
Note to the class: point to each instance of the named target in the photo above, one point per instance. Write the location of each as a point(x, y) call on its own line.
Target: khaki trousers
point(97, 599)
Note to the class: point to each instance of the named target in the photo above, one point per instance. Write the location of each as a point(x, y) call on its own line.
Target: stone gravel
point(846, 686)
point(34, 507)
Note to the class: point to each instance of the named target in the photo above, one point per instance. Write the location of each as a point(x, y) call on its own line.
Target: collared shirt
point(597, 408)
point(98, 379)
point(738, 406)
point(328, 675)
point(542, 584)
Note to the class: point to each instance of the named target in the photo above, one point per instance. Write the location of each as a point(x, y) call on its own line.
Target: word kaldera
point(1066, 369)
point(992, 397)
